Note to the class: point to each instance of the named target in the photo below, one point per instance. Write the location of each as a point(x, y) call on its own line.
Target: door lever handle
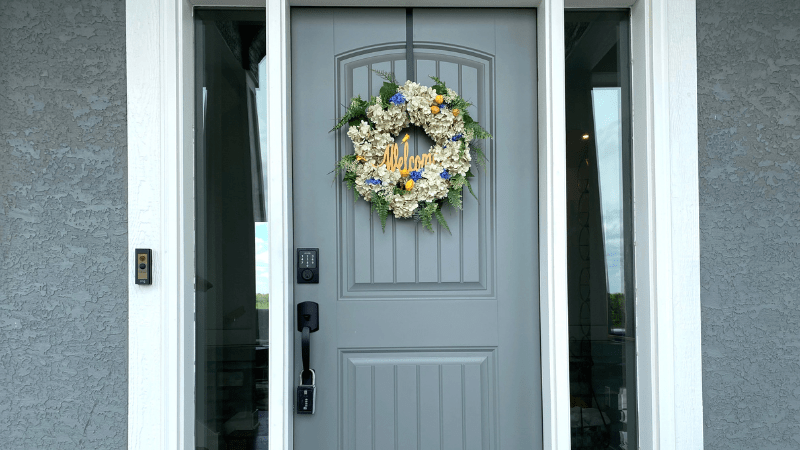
point(307, 323)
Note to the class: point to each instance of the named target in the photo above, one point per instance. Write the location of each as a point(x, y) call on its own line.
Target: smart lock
point(307, 265)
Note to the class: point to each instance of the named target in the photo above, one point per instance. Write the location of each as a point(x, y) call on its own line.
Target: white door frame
point(160, 87)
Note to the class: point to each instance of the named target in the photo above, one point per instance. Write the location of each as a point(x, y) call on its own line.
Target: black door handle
point(307, 323)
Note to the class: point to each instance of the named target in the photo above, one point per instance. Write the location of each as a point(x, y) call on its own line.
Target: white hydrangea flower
point(404, 206)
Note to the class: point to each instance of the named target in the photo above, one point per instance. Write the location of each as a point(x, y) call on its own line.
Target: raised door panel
point(419, 399)
point(404, 259)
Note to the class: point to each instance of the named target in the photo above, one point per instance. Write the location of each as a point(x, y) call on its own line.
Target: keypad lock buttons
point(307, 265)
point(307, 395)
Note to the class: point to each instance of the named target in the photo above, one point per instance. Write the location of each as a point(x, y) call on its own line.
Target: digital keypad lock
point(307, 265)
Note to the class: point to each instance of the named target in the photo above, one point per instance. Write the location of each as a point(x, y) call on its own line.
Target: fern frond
point(439, 86)
point(440, 219)
point(469, 185)
point(344, 166)
point(388, 76)
point(480, 157)
point(387, 91)
point(381, 206)
point(454, 197)
point(425, 214)
point(354, 114)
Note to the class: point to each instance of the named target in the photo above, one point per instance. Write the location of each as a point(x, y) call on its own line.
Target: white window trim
point(160, 81)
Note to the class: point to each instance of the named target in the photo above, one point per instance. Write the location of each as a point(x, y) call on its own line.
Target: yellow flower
point(435, 109)
point(404, 172)
point(455, 112)
point(440, 99)
point(360, 158)
point(406, 137)
point(409, 184)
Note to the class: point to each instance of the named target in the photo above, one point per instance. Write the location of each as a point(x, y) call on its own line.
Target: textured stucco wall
point(63, 230)
point(749, 120)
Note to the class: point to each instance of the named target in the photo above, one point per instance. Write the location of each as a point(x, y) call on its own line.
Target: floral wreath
point(390, 179)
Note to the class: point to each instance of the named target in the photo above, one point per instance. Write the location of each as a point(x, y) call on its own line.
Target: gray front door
point(427, 340)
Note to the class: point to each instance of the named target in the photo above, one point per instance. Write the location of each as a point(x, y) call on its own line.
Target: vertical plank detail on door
point(450, 243)
point(407, 418)
point(363, 422)
point(404, 256)
point(359, 86)
point(469, 88)
point(437, 400)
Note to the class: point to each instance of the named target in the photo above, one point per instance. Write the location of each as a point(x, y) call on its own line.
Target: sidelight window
point(599, 240)
point(232, 296)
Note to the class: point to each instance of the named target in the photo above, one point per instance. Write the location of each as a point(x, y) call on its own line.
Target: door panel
point(426, 339)
point(379, 264)
point(445, 399)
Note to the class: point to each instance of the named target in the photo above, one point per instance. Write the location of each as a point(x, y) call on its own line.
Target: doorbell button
point(143, 264)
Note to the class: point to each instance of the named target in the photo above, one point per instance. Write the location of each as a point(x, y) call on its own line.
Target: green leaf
point(460, 104)
point(349, 176)
point(350, 179)
point(457, 182)
point(388, 76)
point(480, 157)
point(387, 91)
point(381, 206)
point(355, 113)
point(477, 131)
point(469, 186)
point(454, 197)
point(425, 213)
point(440, 219)
point(439, 87)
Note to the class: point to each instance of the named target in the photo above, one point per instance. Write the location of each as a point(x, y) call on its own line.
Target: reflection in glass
point(600, 277)
point(231, 295)
point(607, 109)
point(262, 228)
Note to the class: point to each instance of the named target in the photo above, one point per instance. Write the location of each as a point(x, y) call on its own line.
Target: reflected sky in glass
point(262, 230)
point(607, 109)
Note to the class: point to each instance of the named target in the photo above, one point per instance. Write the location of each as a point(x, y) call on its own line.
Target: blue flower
point(415, 175)
point(457, 137)
point(445, 174)
point(373, 181)
point(397, 99)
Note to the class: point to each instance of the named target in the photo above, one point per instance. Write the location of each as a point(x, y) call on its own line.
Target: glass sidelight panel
point(599, 239)
point(231, 293)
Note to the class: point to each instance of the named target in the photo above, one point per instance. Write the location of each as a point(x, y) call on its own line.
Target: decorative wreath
point(385, 175)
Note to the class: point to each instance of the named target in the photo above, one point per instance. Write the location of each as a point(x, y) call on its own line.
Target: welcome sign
point(394, 161)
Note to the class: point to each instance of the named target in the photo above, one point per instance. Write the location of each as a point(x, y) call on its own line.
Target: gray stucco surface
point(63, 230)
point(749, 140)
